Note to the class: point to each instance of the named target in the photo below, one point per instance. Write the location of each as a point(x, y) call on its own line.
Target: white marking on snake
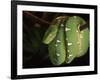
point(68, 50)
point(67, 29)
point(76, 30)
point(75, 17)
point(58, 54)
point(62, 25)
point(69, 56)
point(58, 41)
point(69, 44)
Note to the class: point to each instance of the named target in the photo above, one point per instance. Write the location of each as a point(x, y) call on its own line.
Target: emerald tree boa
point(65, 40)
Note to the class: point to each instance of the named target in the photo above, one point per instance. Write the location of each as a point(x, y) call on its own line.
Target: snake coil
point(65, 39)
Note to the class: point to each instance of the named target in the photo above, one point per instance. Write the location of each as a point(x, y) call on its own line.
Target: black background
point(34, 26)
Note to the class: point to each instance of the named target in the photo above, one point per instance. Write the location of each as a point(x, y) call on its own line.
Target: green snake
point(65, 40)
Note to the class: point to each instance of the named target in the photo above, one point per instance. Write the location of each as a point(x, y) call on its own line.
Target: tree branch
point(35, 17)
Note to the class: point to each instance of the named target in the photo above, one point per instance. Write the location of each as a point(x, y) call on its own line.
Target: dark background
point(35, 53)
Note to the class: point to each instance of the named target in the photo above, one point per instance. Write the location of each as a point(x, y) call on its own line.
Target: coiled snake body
point(65, 39)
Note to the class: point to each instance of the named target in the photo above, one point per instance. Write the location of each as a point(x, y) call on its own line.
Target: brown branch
point(35, 17)
point(84, 26)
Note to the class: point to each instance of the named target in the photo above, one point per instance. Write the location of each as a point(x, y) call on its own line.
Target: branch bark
point(35, 18)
